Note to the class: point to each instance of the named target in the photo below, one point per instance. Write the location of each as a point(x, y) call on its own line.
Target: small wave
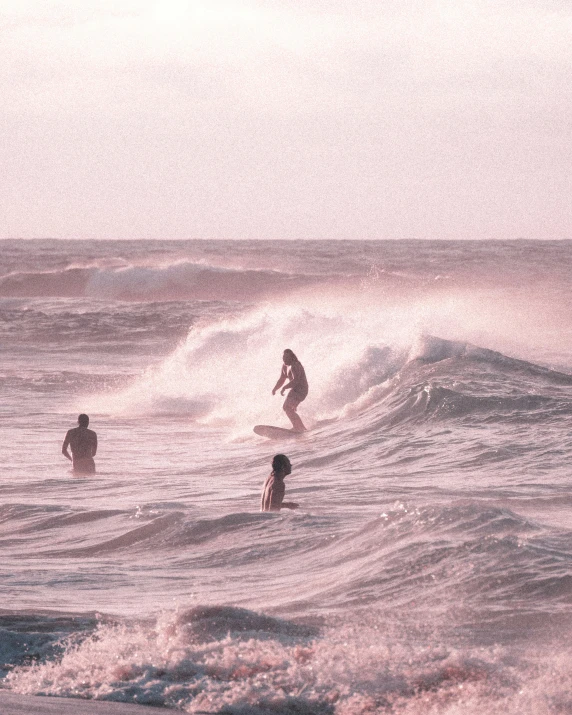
point(208, 530)
point(476, 555)
point(431, 349)
point(436, 402)
point(140, 537)
point(179, 281)
point(23, 531)
point(70, 282)
point(443, 380)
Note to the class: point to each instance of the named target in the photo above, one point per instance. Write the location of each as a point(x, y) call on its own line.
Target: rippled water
point(429, 567)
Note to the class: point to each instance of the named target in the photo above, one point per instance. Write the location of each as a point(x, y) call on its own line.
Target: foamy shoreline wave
point(225, 660)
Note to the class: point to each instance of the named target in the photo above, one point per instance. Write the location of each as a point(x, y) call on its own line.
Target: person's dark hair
point(291, 353)
point(280, 462)
point(83, 420)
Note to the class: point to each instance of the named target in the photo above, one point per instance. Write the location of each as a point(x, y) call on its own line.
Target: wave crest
point(181, 280)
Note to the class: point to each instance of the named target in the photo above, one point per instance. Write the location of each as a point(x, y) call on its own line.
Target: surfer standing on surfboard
point(292, 370)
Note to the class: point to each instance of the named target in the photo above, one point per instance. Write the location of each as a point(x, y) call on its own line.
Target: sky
point(299, 119)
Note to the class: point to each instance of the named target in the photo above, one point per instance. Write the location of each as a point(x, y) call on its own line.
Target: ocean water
point(429, 567)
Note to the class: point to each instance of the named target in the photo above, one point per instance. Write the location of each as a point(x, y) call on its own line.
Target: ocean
point(428, 569)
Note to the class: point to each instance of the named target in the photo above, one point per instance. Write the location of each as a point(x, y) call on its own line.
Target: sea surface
point(428, 569)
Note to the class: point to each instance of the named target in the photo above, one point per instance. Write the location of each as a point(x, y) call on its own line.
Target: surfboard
point(276, 432)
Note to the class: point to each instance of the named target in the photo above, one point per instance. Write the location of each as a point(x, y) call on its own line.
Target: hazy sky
point(276, 119)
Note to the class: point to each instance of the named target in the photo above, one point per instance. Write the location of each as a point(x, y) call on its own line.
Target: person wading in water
point(274, 487)
point(83, 444)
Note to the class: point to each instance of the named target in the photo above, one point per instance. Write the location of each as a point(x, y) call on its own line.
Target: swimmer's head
point(83, 420)
point(289, 357)
point(281, 463)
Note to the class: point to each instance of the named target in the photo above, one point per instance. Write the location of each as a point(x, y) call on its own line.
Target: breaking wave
point(222, 373)
point(229, 660)
point(179, 281)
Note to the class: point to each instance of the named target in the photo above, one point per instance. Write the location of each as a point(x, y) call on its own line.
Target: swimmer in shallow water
point(83, 444)
point(274, 487)
point(293, 371)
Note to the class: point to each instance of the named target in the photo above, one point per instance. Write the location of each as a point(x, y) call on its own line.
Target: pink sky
point(301, 119)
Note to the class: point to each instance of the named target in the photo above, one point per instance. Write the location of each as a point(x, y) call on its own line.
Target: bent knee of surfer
point(294, 418)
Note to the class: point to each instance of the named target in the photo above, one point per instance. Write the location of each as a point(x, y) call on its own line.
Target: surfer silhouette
point(83, 444)
point(274, 487)
point(293, 371)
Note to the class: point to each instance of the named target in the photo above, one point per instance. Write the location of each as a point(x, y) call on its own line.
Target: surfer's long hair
point(292, 355)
